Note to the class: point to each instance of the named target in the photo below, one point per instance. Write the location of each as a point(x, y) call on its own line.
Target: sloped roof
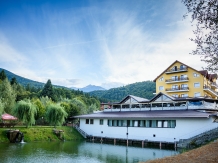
point(203, 72)
point(207, 75)
point(138, 99)
point(160, 94)
point(148, 114)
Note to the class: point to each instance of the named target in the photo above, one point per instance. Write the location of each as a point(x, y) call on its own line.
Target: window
point(161, 79)
point(196, 85)
point(184, 86)
point(91, 121)
point(183, 77)
point(197, 94)
point(184, 95)
point(174, 68)
point(175, 87)
point(174, 78)
point(87, 121)
point(182, 67)
point(175, 95)
point(161, 88)
point(101, 122)
point(195, 75)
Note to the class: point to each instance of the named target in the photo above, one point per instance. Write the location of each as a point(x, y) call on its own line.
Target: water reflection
point(78, 151)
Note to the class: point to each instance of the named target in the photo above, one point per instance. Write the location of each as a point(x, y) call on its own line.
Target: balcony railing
point(210, 90)
point(177, 89)
point(213, 84)
point(177, 80)
point(177, 70)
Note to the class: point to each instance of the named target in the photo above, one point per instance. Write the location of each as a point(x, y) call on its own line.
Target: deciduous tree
point(26, 111)
point(204, 14)
point(55, 114)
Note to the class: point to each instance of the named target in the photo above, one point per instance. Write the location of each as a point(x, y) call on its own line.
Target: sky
point(108, 43)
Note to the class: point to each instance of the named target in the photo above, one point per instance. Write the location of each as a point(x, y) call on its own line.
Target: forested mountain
point(142, 89)
point(21, 80)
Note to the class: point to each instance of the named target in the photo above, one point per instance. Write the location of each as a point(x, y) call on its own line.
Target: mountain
point(89, 88)
point(143, 89)
point(21, 80)
point(24, 81)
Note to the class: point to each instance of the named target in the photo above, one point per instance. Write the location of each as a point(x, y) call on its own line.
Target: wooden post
point(114, 141)
point(160, 145)
point(142, 143)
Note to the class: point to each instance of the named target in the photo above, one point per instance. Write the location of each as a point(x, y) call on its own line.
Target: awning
point(8, 117)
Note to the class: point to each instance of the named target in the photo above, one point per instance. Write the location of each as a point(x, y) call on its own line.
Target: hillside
point(142, 89)
point(21, 80)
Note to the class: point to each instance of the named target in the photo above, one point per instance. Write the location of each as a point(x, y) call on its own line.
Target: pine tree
point(2, 75)
point(14, 81)
point(48, 91)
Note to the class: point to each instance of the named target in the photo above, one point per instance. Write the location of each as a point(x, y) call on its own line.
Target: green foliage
point(55, 114)
point(2, 75)
point(1, 107)
point(26, 111)
point(204, 14)
point(7, 95)
point(48, 91)
point(79, 104)
point(92, 108)
point(40, 108)
point(141, 89)
point(14, 81)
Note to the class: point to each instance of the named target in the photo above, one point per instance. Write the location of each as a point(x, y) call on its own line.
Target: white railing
point(84, 134)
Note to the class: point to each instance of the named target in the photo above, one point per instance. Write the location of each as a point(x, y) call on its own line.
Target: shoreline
point(204, 154)
point(41, 133)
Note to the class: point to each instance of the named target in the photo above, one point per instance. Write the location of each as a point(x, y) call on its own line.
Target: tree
point(7, 95)
point(14, 81)
point(55, 114)
point(26, 111)
point(205, 13)
point(1, 107)
point(40, 108)
point(48, 91)
point(2, 75)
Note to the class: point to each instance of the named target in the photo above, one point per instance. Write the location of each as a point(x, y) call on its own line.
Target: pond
point(77, 151)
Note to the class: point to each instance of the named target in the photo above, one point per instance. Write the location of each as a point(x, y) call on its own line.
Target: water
point(79, 152)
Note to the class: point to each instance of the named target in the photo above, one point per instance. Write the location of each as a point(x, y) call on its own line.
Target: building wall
point(161, 81)
point(185, 128)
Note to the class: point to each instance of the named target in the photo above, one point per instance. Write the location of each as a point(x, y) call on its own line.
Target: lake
point(77, 151)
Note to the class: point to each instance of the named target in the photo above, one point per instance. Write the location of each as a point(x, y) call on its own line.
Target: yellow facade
point(180, 80)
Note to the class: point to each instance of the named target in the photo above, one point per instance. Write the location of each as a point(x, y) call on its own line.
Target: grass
point(42, 133)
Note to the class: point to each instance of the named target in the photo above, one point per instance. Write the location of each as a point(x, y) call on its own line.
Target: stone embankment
point(199, 140)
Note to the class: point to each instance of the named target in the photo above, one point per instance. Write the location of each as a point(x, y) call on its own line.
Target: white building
point(161, 119)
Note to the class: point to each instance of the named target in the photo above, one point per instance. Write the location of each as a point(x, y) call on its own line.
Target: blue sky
point(106, 43)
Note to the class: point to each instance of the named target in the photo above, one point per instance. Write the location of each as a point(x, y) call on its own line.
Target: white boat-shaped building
point(162, 119)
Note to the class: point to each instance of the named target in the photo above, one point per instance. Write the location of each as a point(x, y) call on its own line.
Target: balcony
point(214, 85)
point(177, 80)
point(175, 70)
point(210, 91)
point(182, 89)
